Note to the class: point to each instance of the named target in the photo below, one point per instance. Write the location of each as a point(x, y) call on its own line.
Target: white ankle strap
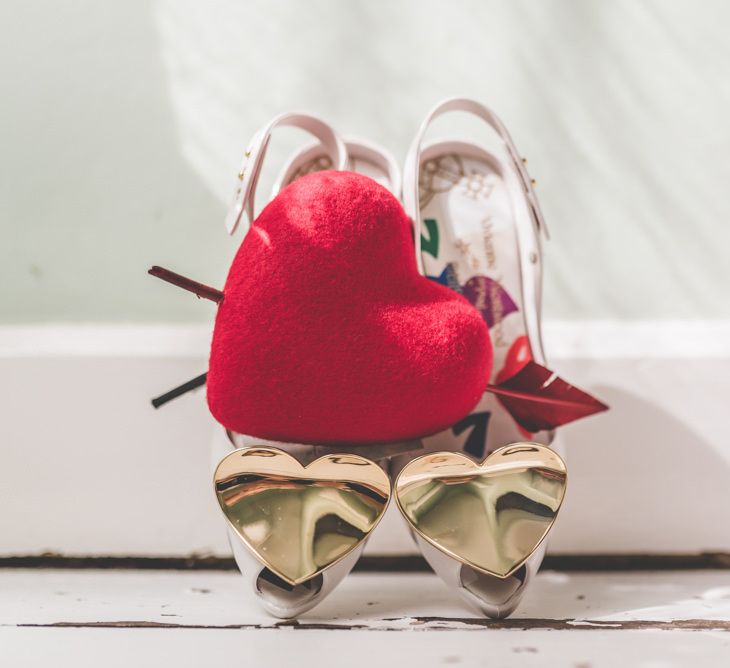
point(412, 167)
point(254, 156)
point(358, 150)
point(381, 158)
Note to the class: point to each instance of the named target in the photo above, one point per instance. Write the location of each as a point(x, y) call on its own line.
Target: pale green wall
point(122, 124)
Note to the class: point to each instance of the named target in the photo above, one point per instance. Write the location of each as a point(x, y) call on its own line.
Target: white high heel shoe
point(478, 229)
point(332, 149)
point(279, 597)
point(363, 156)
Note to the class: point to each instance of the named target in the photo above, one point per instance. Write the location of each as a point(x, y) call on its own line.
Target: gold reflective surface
point(491, 516)
point(300, 520)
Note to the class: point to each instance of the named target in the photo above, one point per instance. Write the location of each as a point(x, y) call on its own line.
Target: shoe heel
point(257, 481)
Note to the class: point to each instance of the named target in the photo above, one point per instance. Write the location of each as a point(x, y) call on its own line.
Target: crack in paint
point(425, 624)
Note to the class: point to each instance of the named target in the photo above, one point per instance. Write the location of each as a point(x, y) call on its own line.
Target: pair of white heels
point(478, 229)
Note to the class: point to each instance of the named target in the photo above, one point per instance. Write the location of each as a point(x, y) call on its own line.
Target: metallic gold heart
point(491, 516)
point(298, 521)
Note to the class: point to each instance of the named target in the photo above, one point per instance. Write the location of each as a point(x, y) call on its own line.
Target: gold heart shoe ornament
point(299, 521)
point(490, 516)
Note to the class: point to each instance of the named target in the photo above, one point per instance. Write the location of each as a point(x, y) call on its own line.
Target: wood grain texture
point(142, 618)
point(691, 600)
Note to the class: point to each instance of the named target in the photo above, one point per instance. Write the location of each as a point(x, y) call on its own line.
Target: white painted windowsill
point(89, 468)
point(587, 339)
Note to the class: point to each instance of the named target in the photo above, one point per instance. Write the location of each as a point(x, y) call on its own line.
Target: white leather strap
point(412, 167)
point(254, 156)
point(362, 149)
point(359, 151)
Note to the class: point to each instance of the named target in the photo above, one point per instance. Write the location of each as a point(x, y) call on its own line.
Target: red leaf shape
point(539, 399)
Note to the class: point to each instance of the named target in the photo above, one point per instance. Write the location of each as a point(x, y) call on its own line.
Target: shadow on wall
point(99, 186)
point(641, 480)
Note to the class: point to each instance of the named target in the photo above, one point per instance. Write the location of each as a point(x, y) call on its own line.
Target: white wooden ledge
point(177, 618)
point(77, 414)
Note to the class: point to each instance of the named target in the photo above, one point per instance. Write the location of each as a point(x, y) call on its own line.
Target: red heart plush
point(327, 333)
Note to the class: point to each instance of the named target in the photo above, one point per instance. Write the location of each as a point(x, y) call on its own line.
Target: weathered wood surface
point(65, 617)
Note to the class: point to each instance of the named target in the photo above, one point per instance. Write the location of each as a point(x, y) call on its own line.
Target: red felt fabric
point(328, 334)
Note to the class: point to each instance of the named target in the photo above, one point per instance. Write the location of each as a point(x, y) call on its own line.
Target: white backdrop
point(123, 124)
